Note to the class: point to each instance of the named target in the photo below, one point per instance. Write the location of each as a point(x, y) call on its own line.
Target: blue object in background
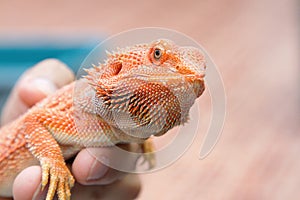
point(18, 55)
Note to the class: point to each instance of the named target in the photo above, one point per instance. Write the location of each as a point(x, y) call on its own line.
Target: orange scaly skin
point(139, 91)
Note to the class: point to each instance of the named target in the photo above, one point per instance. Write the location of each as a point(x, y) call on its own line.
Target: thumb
point(34, 85)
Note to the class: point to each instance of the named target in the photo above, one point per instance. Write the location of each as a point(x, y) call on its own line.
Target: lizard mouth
point(197, 82)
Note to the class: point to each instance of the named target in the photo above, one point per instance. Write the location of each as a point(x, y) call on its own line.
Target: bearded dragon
point(154, 85)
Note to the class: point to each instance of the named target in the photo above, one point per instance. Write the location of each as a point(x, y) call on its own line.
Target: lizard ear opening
point(102, 79)
point(115, 68)
point(97, 74)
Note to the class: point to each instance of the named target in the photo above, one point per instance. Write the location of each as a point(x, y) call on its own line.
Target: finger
point(88, 167)
point(2, 198)
point(27, 184)
point(127, 188)
point(34, 85)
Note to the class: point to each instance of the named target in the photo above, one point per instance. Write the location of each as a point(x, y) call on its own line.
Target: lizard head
point(187, 62)
point(148, 89)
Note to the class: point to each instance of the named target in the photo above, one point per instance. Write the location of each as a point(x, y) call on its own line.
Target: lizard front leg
point(148, 150)
point(45, 148)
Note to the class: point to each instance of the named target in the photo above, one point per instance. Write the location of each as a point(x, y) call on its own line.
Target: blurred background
point(256, 47)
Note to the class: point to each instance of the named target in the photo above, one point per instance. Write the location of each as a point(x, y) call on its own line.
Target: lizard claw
point(59, 178)
point(150, 159)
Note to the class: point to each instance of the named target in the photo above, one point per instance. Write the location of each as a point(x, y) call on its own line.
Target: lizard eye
point(157, 54)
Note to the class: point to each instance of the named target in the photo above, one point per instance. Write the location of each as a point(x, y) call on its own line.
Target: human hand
point(94, 180)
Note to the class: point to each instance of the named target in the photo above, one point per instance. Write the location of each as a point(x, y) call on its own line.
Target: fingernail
point(98, 170)
point(44, 85)
point(38, 194)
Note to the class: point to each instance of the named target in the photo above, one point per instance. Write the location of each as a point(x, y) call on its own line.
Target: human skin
point(94, 180)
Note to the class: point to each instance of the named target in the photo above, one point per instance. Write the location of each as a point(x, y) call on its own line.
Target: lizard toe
point(60, 180)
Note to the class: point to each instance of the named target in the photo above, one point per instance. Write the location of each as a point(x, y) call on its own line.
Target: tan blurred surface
point(254, 43)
